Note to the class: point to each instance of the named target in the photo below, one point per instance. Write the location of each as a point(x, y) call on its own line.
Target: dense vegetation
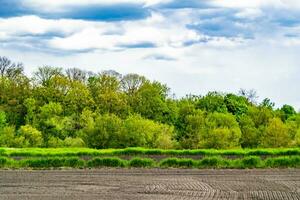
point(131, 152)
point(207, 162)
point(75, 108)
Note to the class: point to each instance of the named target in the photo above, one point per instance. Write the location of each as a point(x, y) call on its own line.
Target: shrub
point(3, 161)
point(141, 162)
point(106, 132)
point(106, 162)
point(175, 162)
point(7, 137)
point(275, 135)
point(55, 142)
point(2, 119)
point(211, 162)
point(73, 142)
point(43, 162)
point(223, 132)
point(130, 151)
point(138, 131)
point(251, 162)
point(283, 162)
point(74, 162)
point(32, 137)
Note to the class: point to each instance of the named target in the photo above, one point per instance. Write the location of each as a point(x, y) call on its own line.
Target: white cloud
point(37, 25)
point(248, 3)
point(268, 61)
point(271, 70)
point(156, 29)
point(249, 13)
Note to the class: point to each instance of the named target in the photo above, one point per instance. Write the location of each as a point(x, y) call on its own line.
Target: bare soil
point(147, 184)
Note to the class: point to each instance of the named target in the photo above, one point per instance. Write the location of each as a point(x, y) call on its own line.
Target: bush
point(211, 162)
point(275, 135)
point(106, 162)
point(2, 119)
point(74, 162)
point(32, 137)
point(251, 162)
point(138, 131)
point(106, 132)
point(55, 142)
point(177, 163)
point(283, 162)
point(7, 137)
point(3, 161)
point(141, 162)
point(2, 152)
point(43, 162)
point(73, 142)
point(223, 132)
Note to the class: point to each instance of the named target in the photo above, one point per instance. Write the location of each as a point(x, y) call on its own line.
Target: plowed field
point(150, 184)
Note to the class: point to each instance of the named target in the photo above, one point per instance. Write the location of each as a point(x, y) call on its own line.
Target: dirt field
point(150, 184)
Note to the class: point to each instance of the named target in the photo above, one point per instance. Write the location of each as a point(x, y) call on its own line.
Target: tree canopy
point(76, 108)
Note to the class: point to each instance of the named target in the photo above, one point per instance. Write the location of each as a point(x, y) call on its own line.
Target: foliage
point(106, 162)
point(223, 132)
point(211, 162)
point(177, 163)
point(251, 162)
point(208, 162)
point(61, 152)
point(2, 119)
point(275, 135)
point(75, 108)
point(31, 137)
point(142, 132)
point(141, 162)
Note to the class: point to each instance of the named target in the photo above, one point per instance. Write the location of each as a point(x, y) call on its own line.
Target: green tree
point(287, 111)
point(32, 137)
point(2, 119)
point(237, 105)
point(7, 137)
point(250, 134)
point(50, 118)
point(31, 111)
point(106, 92)
point(106, 133)
point(275, 135)
point(297, 138)
point(212, 102)
point(194, 131)
point(223, 132)
point(151, 102)
point(141, 132)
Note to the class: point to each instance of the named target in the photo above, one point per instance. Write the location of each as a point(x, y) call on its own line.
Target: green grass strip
point(65, 152)
point(209, 162)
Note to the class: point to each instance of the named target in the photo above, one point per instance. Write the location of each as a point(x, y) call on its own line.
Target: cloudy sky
point(194, 46)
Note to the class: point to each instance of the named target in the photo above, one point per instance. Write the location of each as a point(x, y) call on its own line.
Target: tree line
point(76, 108)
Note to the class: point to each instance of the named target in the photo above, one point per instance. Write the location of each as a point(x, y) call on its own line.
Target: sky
point(193, 46)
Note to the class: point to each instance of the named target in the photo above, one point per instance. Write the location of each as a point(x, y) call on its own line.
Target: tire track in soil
point(151, 184)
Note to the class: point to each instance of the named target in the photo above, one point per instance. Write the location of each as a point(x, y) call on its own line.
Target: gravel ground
point(150, 184)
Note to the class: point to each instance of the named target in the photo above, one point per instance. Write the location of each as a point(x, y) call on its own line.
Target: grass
point(3, 161)
point(282, 162)
point(251, 162)
point(106, 162)
point(141, 163)
point(212, 162)
point(177, 163)
point(99, 162)
point(69, 152)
